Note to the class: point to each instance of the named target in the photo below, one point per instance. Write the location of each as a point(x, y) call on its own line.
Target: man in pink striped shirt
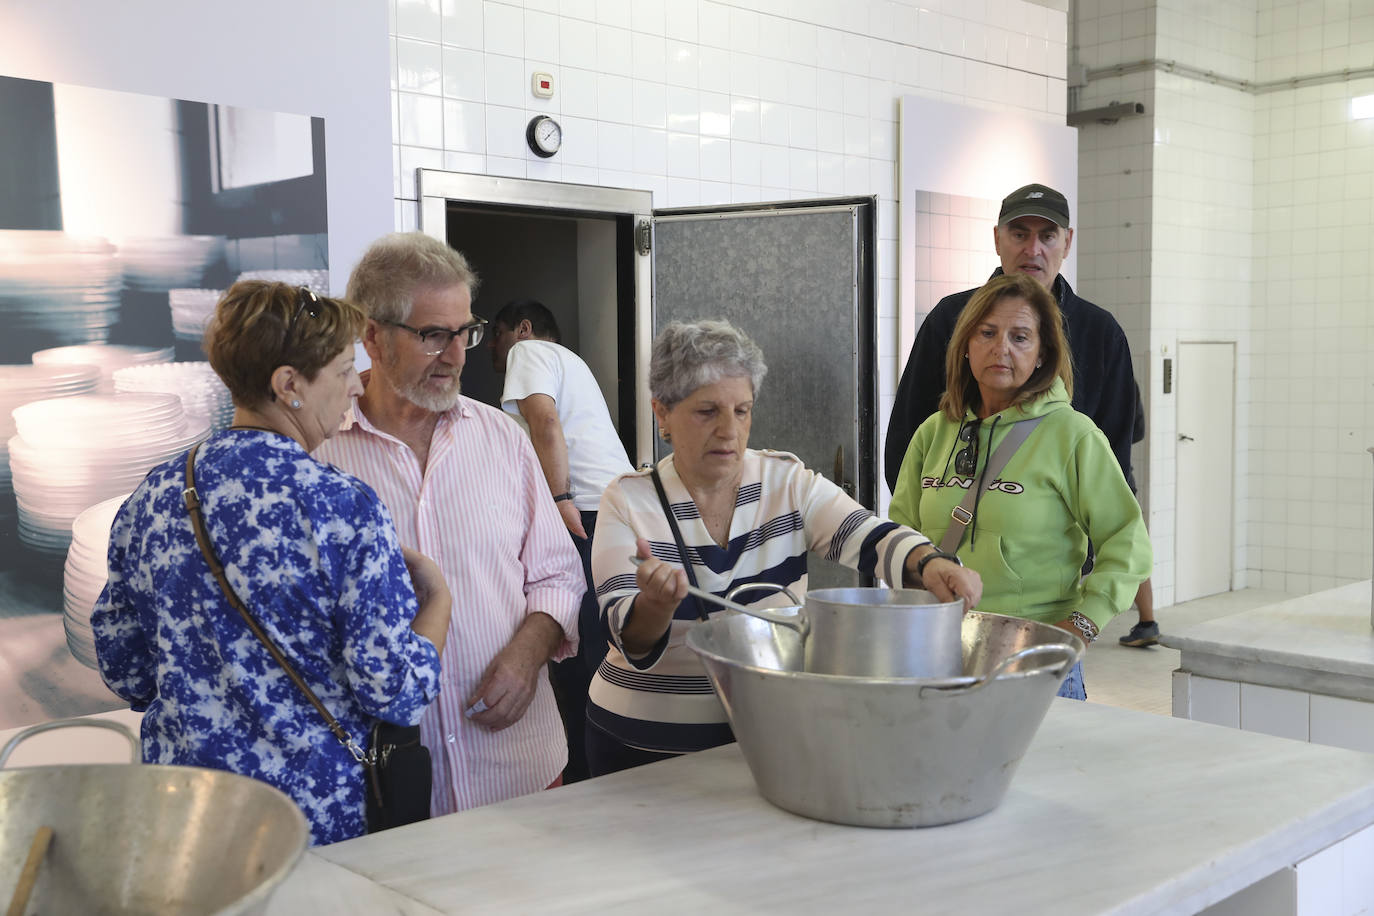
point(464, 486)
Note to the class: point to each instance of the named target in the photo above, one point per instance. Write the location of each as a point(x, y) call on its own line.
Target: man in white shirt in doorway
point(551, 390)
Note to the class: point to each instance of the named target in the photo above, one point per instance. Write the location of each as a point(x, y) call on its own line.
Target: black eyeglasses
point(966, 462)
point(436, 340)
point(308, 303)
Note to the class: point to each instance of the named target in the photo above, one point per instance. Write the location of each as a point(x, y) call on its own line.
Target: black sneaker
point(1142, 635)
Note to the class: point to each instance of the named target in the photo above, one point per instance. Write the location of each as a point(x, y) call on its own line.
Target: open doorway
point(577, 265)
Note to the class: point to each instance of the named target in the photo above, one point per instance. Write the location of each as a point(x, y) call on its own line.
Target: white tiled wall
point(707, 102)
point(1201, 274)
point(1253, 227)
point(1218, 35)
point(1114, 234)
point(1296, 714)
point(1313, 381)
point(953, 245)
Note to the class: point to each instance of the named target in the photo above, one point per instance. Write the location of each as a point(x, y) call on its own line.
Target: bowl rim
point(269, 882)
point(963, 680)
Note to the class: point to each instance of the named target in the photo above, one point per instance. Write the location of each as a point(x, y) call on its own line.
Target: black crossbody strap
point(192, 500)
point(677, 537)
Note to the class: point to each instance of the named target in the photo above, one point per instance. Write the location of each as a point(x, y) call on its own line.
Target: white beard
point(437, 402)
point(415, 394)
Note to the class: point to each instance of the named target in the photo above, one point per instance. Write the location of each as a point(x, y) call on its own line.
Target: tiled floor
point(1118, 675)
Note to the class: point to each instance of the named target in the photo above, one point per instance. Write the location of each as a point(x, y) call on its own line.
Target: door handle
point(1183, 438)
point(838, 475)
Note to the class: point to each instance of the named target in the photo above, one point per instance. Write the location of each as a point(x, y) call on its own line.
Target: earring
point(1037, 364)
point(296, 404)
point(663, 434)
point(965, 356)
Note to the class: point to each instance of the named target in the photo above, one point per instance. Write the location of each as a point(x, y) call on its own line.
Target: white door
point(1205, 381)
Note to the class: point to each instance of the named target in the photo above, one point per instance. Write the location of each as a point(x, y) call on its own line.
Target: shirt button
point(452, 739)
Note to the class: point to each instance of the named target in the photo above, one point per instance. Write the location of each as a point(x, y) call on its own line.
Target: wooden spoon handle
point(28, 877)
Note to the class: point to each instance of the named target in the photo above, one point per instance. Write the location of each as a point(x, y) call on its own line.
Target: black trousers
point(607, 755)
point(571, 677)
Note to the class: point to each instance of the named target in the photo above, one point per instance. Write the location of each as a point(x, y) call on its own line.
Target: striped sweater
point(663, 701)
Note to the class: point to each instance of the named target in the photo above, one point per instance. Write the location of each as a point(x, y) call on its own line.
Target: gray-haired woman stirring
point(744, 516)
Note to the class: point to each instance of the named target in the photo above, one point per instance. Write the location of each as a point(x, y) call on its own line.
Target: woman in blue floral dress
point(310, 551)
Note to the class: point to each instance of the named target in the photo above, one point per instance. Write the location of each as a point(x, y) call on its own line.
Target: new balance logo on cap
point(1035, 200)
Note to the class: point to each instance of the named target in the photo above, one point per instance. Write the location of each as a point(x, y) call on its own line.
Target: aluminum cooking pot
point(145, 839)
point(881, 751)
point(871, 632)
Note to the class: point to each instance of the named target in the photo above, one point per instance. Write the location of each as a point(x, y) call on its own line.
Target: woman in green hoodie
point(1030, 525)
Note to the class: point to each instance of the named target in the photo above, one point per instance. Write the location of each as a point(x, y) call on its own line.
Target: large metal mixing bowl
point(885, 752)
point(148, 839)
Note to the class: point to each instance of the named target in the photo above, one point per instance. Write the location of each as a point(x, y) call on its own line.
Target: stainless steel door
point(798, 279)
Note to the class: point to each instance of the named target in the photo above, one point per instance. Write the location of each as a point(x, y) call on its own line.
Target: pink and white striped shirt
point(481, 509)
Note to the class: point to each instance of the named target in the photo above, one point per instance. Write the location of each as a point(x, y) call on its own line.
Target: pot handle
point(1062, 649)
point(79, 722)
point(798, 622)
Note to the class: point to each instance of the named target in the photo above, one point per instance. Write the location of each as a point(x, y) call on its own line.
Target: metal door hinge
point(644, 235)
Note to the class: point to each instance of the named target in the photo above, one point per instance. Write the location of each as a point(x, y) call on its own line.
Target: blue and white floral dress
point(313, 554)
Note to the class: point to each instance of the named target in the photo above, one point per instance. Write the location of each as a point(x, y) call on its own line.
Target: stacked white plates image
point(71, 453)
point(105, 357)
point(65, 285)
point(203, 395)
point(317, 281)
point(158, 264)
point(86, 573)
point(24, 383)
point(192, 310)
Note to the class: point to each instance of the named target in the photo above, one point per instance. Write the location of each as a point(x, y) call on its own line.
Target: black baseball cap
point(1035, 200)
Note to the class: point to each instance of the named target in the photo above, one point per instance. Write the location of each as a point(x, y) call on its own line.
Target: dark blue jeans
point(1073, 684)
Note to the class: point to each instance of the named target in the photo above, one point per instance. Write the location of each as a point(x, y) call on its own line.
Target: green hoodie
point(1029, 536)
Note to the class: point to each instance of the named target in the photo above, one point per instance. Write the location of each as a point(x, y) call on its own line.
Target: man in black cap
point(1032, 237)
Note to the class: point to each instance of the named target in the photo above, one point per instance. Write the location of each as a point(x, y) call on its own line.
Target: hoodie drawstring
point(982, 476)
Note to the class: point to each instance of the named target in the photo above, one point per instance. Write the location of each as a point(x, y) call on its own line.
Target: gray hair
point(688, 355)
point(384, 282)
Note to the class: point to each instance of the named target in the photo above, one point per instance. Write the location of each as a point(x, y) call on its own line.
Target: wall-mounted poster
point(122, 218)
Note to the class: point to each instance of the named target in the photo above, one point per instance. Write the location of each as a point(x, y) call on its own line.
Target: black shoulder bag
point(397, 767)
point(677, 537)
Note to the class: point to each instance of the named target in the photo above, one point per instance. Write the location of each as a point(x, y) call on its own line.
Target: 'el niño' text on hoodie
point(1029, 536)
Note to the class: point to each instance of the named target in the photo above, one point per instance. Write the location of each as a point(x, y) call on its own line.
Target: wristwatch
point(936, 554)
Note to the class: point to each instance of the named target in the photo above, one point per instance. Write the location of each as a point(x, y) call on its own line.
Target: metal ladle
point(797, 623)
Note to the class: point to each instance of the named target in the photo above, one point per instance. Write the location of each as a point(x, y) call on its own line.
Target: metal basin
point(148, 839)
point(881, 751)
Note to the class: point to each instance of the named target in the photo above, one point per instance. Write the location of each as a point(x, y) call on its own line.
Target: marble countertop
point(1327, 635)
point(1111, 811)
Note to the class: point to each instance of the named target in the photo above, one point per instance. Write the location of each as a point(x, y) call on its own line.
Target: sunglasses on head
point(308, 303)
